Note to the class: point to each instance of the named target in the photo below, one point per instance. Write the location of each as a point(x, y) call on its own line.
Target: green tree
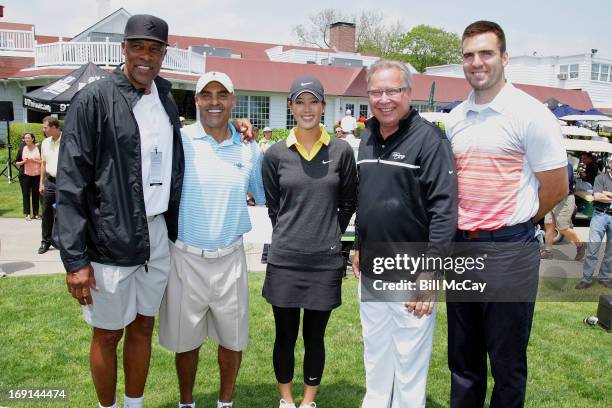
point(424, 46)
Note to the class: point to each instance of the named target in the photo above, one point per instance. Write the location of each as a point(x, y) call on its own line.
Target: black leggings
point(287, 321)
point(29, 188)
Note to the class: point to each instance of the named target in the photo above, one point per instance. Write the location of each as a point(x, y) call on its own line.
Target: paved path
point(20, 239)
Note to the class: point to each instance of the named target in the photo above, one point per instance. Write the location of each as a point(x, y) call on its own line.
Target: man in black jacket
point(407, 194)
point(118, 191)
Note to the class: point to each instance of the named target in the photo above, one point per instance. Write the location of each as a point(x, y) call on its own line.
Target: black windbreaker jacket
point(100, 204)
point(407, 185)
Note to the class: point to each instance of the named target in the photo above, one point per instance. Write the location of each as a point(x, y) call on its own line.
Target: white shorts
point(124, 291)
point(205, 298)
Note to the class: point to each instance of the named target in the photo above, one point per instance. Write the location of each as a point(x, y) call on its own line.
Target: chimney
point(342, 36)
point(1, 11)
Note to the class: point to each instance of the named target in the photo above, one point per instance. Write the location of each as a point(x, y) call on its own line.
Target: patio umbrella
point(56, 97)
point(565, 110)
point(451, 106)
point(594, 111)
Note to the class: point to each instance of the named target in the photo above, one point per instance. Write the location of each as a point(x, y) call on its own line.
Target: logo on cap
point(305, 83)
point(150, 25)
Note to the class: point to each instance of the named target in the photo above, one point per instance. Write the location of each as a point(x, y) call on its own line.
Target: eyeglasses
point(378, 93)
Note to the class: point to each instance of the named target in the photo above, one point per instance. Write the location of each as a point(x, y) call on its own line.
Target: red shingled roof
point(575, 98)
point(46, 39)
point(11, 66)
point(246, 49)
point(449, 89)
point(268, 76)
point(15, 26)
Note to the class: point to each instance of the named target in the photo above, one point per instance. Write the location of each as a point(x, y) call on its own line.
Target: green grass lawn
point(44, 343)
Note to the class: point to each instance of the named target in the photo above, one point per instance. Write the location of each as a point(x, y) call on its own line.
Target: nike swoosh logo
point(450, 172)
point(312, 378)
point(305, 83)
point(325, 162)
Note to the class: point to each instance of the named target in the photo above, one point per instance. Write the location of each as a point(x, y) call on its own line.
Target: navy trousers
point(499, 329)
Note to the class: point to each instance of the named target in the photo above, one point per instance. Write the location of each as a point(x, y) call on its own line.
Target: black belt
point(604, 210)
point(51, 179)
point(498, 233)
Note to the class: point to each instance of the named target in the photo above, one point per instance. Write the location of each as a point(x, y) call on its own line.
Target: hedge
point(19, 128)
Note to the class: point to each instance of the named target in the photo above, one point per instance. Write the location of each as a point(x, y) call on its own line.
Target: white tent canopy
point(434, 117)
point(577, 131)
point(583, 118)
point(578, 145)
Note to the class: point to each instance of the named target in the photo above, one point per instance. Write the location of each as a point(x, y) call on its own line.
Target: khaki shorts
point(124, 291)
point(205, 298)
point(561, 214)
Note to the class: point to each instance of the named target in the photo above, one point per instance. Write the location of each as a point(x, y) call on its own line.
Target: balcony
point(109, 54)
point(16, 40)
point(104, 53)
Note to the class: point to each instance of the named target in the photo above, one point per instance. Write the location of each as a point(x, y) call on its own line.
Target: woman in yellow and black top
point(310, 182)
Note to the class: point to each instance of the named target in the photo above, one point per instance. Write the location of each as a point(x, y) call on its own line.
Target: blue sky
point(558, 27)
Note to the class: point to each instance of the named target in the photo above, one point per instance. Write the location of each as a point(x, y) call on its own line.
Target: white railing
point(109, 54)
point(16, 40)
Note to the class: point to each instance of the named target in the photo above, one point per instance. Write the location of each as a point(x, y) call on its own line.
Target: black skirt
point(306, 289)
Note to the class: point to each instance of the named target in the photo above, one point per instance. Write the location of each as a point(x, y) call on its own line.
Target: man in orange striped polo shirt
point(511, 170)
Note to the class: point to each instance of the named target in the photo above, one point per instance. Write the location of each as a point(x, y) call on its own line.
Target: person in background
point(348, 123)
point(310, 182)
point(561, 217)
point(266, 141)
point(601, 225)
point(29, 163)
point(339, 133)
point(49, 153)
point(589, 168)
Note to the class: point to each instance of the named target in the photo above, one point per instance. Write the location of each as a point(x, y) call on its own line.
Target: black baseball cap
point(146, 27)
point(307, 84)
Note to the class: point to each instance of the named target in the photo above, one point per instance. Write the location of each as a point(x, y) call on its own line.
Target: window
point(254, 107)
point(291, 122)
point(603, 76)
point(570, 70)
point(350, 106)
point(594, 72)
point(601, 72)
point(573, 71)
point(363, 111)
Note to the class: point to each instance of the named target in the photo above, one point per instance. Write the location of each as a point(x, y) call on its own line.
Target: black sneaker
point(606, 284)
point(582, 285)
point(44, 247)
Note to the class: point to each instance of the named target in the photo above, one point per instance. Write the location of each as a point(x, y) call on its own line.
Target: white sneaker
point(311, 405)
point(285, 404)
